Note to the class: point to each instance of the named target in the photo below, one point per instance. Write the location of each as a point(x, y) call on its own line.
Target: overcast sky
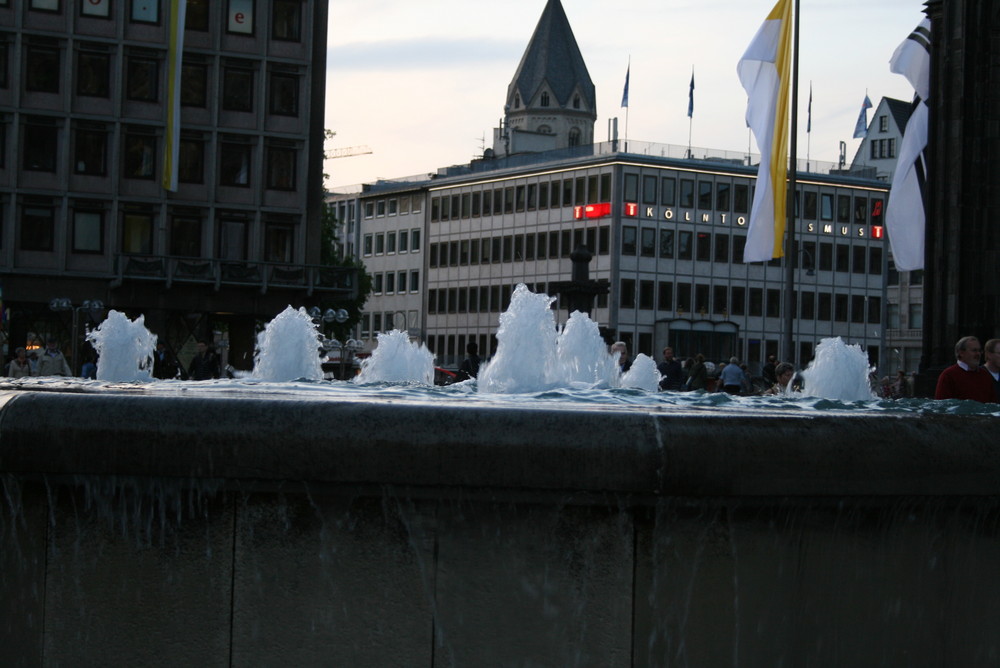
point(424, 84)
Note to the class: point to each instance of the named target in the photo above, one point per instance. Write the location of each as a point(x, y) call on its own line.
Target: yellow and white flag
point(765, 72)
point(175, 56)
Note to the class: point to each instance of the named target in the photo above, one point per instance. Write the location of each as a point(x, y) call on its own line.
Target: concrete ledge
point(637, 451)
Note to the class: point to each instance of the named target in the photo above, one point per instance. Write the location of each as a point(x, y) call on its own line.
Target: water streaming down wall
point(153, 526)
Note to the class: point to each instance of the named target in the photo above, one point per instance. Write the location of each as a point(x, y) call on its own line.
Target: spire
point(553, 60)
point(551, 101)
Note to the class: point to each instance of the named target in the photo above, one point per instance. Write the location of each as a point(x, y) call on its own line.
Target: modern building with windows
point(666, 227)
point(86, 217)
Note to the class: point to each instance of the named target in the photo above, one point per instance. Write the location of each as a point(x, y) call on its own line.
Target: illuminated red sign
point(631, 209)
point(592, 210)
point(877, 232)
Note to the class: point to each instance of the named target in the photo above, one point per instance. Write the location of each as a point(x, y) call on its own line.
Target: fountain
point(124, 348)
point(396, 359)
point(579, 523)
point(288, 348)
point(839, 372)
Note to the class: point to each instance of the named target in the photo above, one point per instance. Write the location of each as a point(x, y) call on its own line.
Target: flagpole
point(809, 124)
point(690, 111)
point(791, 247)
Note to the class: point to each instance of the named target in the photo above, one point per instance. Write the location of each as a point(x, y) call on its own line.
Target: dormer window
point(576, 101)
point(545, 99)
point(574, 137)
point(517, 100)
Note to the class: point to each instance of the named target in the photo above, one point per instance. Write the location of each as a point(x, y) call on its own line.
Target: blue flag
point(625, 92)
point(861, 128)
point(691, 97)
point(809, 110)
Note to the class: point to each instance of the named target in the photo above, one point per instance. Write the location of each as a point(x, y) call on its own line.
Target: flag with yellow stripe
point(765, 72)
point(175, 57)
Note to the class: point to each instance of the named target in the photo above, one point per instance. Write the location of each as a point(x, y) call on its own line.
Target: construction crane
point(347, 152)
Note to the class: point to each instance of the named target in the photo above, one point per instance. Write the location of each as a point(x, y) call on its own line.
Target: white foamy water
point(125, 349)
point(838, 372)
point(396, 359)
point(582, 356)
point(643, 375)
point(288, 349)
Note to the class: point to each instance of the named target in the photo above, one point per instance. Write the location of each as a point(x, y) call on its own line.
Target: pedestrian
point(783, 374)
point(966, 379)
point(732, 377)
point(470, 365)
point(624, 362)
point(205, 364)
point(165, 364)
point(769, 370)
point(698, 374)
point(992, 365)
point(52, 362)
point(671, 373)
point(20, 367)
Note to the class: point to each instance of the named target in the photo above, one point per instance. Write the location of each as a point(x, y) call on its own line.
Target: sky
point(423, 84)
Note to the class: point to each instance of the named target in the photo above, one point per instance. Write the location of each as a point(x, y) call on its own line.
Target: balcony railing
point(219, 273)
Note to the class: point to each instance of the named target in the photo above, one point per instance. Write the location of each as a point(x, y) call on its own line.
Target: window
point(668, 191)
point(140, 154)
point(687, 193)
point(367, 244)
point(857, 308)
point(683, 297)
point(720, 299)
point(41, 136)
point(145, 11)
point(883, 123)
point(666, 243)
point(631, 188)
point(284, 98)
point(741, 198)
point(649, 189)
point(773, 306)
point(41, 67)
point(194, 84)
point(722, 247)
point(4, 62)
point(142, 78)
point(722, 197)
point(840, 308)
point(646, 295)
point(648, 242)
point(191, 160)
point(807, 310)
point(545, 100)
point(859, 266)
point(137, 233)
point(414, 280)
point(414, 240)
point(824, 311)
point(286, 20)
point(92, 78)
point(916, 314)
point(90, 150)
point(703, 250)
point(826, 206)
point(234, 164)
point(240, 17)
point(404, 237)
point(279, 243)
point(843, 257)
point(843, 208)
point(628, 240)
point(810, 210)
point(627, 296)
point(825, 256)
point(232, 235)
point(756, 302)
point(380, 244)
point(861, 210)
point(684, 246)
point(874, 310)
point(185, 236)
point(196, 15)
point(665, 296)
point(281, 168)
point(704, 195)
point(390, 242)
point(737, 304)
point(37, 226)
point(237, 88)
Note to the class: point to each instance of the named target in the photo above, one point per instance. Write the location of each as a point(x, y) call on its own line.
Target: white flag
point(765, 72)
point(905, 218)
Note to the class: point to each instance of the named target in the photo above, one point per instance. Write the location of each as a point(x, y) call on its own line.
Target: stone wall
point(146, 527)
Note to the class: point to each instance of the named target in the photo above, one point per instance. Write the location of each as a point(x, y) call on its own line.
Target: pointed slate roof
point(553, 57)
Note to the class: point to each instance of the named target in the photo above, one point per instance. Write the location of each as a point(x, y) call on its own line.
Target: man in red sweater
point(966, 379)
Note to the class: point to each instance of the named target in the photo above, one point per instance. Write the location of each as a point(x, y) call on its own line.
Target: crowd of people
point(50, 361)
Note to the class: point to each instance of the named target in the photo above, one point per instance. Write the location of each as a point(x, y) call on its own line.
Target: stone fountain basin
point(188, 524)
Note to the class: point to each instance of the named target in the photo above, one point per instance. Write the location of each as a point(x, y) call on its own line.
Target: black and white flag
point(905, 217)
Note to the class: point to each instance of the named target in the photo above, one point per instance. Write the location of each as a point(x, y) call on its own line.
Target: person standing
point(470, 365)
point(205, 364)
point(52, 362)
point(732, 377)
point(769, 370)
point(671, 373)
point(20, 367)
point(966, 379)
point(783, 374)
point(992, 365)
point(164, 365)
point(624, 361)
point(698, 374)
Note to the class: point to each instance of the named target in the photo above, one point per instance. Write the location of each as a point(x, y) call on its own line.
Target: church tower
point(551, 102)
